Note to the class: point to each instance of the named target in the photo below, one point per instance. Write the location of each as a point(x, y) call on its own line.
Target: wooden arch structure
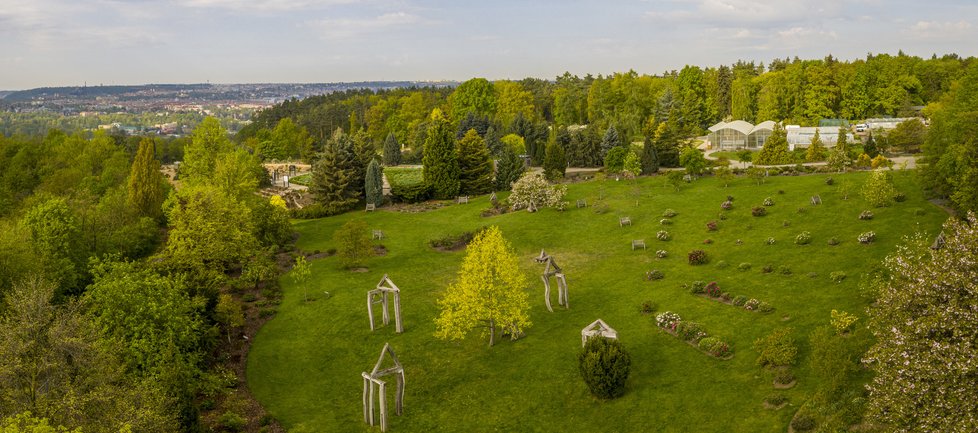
point(552, 270)
point(597, 328)
point(385, 290)
point(372, 381)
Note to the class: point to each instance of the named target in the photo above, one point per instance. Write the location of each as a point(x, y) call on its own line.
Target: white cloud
point(939, 29)
point(345, 28)
point(262, 5)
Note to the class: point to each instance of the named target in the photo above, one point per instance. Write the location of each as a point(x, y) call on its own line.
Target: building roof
point(737, 125)
point(765, 125)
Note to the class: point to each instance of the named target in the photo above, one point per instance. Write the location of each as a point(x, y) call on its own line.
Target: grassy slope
point(305, 364)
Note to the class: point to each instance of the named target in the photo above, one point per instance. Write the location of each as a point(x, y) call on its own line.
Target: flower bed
point(693, 334)
point(713, 292)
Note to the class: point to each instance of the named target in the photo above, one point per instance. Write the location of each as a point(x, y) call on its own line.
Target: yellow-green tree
point(489, 291)
point(816, 150)
point(200, 156)
point(146, 182)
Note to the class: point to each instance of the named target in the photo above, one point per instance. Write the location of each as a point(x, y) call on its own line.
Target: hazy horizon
point(57, 43)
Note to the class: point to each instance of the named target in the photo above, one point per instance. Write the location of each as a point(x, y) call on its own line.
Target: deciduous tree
point(146, 182)
point(490, 291)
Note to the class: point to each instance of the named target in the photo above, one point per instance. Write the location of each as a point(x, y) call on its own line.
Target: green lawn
point(305, 363)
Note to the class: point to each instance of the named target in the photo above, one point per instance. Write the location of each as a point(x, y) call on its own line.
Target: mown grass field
point(305, 363)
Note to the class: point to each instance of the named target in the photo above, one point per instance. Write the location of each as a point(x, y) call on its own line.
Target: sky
point(73, 42)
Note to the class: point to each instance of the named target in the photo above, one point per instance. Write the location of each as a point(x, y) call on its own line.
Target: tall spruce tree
point(146, 181)
point(474, 163)
point(374, 184)
point(816, 149)
point(392, 151)
point(509, 169)
point(650, 158)
point(493, 141)
point(554, 162)
point(610, 140)
point(332, 174)
point(441, 172)
point(775, 150)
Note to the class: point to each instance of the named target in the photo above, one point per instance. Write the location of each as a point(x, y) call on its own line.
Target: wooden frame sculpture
point(380, 295)
point(597, 328)
point(372, 381)
point(552, 270)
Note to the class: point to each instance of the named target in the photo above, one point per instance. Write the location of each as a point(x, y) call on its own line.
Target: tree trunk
point(492, 332)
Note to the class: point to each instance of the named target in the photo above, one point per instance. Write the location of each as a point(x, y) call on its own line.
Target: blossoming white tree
point(926, 325)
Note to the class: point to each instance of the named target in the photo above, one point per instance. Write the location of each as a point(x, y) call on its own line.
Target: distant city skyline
point(50, 43)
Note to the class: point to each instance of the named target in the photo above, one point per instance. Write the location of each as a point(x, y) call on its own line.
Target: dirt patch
point(416, 207)
point(788, 385)
point(359, 270)
point(770, 406)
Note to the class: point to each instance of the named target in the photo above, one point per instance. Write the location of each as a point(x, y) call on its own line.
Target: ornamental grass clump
point(758, 211)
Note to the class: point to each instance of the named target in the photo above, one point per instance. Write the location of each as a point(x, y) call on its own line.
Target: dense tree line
point(107, 324)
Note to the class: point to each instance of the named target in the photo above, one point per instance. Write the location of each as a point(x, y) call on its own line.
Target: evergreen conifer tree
point(440, 161)
point(374, 184)
point(392, 151)
point(509, 169)
point(650, 158)
point(493, 141)
point(474, 163)
point(331, 177)
point(775, 150)
point(610, 140)
point(870, 147)
point(816, 150)
point(554, 162)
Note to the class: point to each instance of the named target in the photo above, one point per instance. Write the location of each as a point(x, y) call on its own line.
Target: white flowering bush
point(663, 235)
point(924, 322)
point(669, 213)
point(866, 215)
point(667, 319)
point(661, 254)
point(866, 238)
point(665, 221)
point(768, 202)
point(534, 188)
point(803, 238)
point(751, 304)
point(770, 241)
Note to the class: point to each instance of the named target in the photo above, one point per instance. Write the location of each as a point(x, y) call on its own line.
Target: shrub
point(740, 300)
point(354, 243)
point(866, 215)
point(833, 241)
point(899, 197)
point(661, 254)
point(665, 221)
point(715, 346)
point(829, 181)
point(768, 202)
point(764, 307)
point(410, 192)
point(837, 276)
point(919, 212)
point(604, 365)
point(697, 257)
point(770, 241)
point(776, 399)
point(726, 296)
point(744, 266)
point(812, 275)
point(777, 349)
point(667, 320)
point(867, 238)
point(722, 217)
point(232, 422)
point(697, 287)
point(727, 205)
point(713, 289)
point(803, 238)
point(654, 274)
point(767, 269)
point(711, 226)
point(751, 304)
point(842, 321)
point(785, 223)
point(758, 211)
point(647, 307)
point(784, 270)
point(722, 264)
point(663, 235)
point(690, 331)
point(669, 213)
point(803, 423)
point(784, 376)
point(534, 188)
point(707, 241)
